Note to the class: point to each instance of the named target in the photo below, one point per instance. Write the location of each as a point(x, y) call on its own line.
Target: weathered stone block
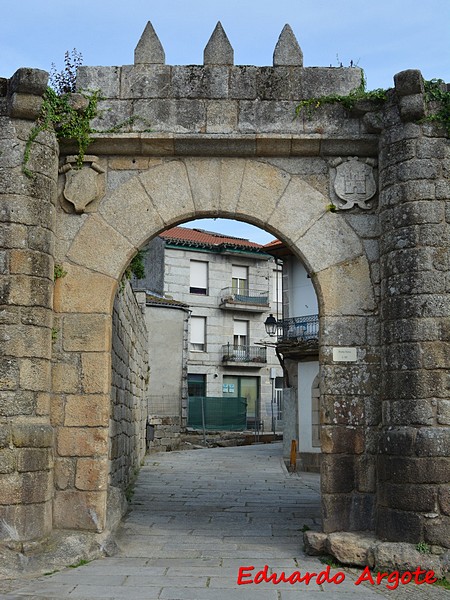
point(64, 473)
point(437, 531)
point(443, 412)
point(200, 82)
point(82, 290)
point(323, 81)
point(412, 108)
point(405, 412)
point(401, 526)
point(95, 372)
point(243, 82)
point(444, 499)
point(91, 474)
point(315, 543)
point(26, 521)
point(105, 79)
point(7, 461)
point(25, 488)
point(34, 459)
point(365, 473)
point(86, 332)
point(24, 106)
point(29, 81)
point(17, 402)
point(336, 512)
point(338, 474)
point(399, 442)
point(32, 435)
point(413, 470)
point(221, 116)
point(401, 496)
point(433, 441)
point(342, 440)
point(409, 82)
point(98, 247)
point(76, 441)
point(35, 374)
point(80, 510)
point(88, 411)
point(65, 378)
point(145, 81)
point(403, 557)
point(350, 548)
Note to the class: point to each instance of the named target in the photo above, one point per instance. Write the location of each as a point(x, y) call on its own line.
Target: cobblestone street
point(196, 517)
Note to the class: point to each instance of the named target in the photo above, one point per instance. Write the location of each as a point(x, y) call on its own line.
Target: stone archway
point(97, 246)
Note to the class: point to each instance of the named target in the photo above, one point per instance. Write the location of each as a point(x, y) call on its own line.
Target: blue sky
point(383, 37)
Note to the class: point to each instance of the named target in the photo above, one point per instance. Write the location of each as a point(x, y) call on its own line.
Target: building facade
point(230, 285)
point(298, 343)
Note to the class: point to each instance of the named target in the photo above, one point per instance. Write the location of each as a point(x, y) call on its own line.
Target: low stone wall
point(163, 434)
point(129, 381)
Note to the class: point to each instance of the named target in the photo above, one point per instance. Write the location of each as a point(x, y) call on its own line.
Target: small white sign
point(344, 354)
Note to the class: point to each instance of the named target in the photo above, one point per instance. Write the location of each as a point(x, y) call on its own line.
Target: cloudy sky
point(383, 36)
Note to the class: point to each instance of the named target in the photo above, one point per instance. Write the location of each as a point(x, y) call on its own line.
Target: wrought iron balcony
point(247, 299)
point(299, 328)
point(252, 356)
point(298, 336)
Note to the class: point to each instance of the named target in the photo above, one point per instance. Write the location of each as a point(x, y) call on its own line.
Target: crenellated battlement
point(216, 97)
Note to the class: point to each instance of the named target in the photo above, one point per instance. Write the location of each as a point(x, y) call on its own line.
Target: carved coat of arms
point(354, 183)
point(82, 184)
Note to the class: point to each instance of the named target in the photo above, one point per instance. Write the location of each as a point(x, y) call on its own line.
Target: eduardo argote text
point(391, 580)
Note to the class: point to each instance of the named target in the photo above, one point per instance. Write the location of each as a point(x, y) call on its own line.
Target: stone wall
point(129, 362)
point(27, 212)
point(224, 142)
point(414, 460)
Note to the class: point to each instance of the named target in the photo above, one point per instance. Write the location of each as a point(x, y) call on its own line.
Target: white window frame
point(239, 279)
point(197, 337)
point(198, 277)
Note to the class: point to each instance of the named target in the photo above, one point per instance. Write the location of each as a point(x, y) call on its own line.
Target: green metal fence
point(218, 414)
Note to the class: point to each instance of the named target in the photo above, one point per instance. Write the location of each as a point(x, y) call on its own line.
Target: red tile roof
point(200, 237)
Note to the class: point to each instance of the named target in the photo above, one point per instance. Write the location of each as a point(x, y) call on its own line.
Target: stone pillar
point(26, 289)
point(414, 452)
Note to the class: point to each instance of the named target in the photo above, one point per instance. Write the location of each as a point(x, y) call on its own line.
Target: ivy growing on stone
point(436, 92)
point(360, 93)
point(68, 121)
point(437, 98)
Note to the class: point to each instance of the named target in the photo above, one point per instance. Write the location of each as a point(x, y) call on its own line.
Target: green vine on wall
point(68, 122)
point(69, 117)
point(309, 105)
point(436, 92)
point(437, 98)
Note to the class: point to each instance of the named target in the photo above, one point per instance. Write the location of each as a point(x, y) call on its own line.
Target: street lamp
point(271, 325)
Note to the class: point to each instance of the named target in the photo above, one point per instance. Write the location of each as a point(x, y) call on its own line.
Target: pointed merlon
point(287, 51)
point(218, 50)
point(149, 50)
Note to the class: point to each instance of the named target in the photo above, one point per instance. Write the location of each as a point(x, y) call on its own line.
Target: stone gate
point(362, 196)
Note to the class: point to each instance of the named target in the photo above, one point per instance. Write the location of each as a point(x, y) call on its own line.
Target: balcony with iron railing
point(298, 335)
point(247, 299)
point(244, 356)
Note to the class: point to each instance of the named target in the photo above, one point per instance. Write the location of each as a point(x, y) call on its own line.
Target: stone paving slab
point(196, 518)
